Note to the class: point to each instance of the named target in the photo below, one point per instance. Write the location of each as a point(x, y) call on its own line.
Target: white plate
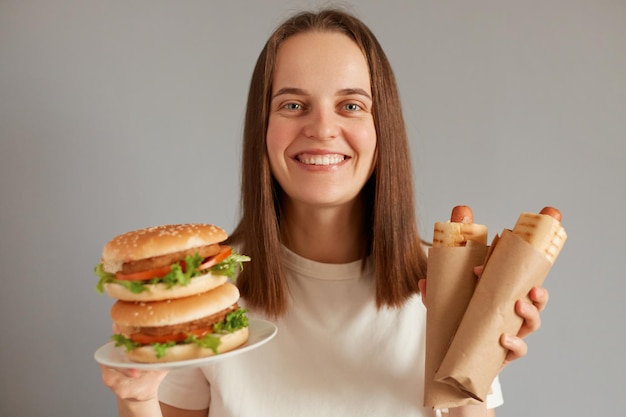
point(260, 332)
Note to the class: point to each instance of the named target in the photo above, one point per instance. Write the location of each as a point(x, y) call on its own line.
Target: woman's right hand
point(136, 390)
point(132, 384)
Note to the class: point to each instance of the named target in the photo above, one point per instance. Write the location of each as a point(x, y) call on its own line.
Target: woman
point(329, 221)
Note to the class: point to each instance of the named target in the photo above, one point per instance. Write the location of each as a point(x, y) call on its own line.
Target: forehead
point(329, 56)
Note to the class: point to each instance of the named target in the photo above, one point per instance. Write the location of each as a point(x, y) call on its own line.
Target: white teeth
point(321, 159)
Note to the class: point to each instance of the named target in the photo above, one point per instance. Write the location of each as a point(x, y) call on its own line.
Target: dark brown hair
point(393, 241)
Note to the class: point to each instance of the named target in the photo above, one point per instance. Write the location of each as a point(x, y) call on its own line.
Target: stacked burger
point(175, 299)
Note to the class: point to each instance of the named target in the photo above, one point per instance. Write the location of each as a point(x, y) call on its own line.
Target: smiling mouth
point(328, 159)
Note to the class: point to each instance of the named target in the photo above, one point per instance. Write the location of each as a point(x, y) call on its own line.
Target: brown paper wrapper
point(475, 355)
point(451, 282)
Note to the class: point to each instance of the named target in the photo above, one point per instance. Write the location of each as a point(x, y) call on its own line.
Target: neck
point(329, 235)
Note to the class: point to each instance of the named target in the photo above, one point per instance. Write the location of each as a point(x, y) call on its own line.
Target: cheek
point(373, 161)
point(276, 143)
point(368, 151)
point(272, 155)
point(366, 144)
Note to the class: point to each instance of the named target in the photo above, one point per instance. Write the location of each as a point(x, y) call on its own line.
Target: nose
point(322, 124)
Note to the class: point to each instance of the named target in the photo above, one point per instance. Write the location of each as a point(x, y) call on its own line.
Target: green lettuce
point(233, 321)
point(228, 267)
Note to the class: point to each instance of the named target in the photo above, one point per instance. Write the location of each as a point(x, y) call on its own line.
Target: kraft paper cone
point(475, 355)
point(451, 282)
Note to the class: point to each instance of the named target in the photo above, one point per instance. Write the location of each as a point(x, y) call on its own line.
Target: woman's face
point(321, 138)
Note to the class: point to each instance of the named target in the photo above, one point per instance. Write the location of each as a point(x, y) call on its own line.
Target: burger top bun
point(171, 312)
point(228, 342)
point(157, 241)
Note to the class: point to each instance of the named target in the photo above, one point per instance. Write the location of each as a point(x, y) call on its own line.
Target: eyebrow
point(290, 90)
point(354, 91)
point(342, 92)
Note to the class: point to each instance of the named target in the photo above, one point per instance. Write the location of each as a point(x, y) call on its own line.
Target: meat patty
point(168, 259)
point(190, 326)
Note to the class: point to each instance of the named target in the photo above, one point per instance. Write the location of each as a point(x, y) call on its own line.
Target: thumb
point(478, 270)
point(422, 286)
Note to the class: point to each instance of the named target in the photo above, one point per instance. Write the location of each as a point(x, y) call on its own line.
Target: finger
point(134, 373)
point(132, 383)
point(110, 376)
point(120, 372)
point(540, 297)
point(422, 286)
point(478, 270)
point(516, 348)
point(531, 316)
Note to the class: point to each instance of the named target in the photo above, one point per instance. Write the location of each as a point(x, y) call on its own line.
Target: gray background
point(116, 115)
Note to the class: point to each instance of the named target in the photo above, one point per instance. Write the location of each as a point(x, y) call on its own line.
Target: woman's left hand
point(529, 311)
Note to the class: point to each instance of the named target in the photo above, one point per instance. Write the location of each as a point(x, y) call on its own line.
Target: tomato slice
point(225, 252)
point(144, 275)
point(146, 339)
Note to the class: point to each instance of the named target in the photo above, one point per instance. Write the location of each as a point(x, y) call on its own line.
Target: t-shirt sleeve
point(495, 397)
point(186, 388)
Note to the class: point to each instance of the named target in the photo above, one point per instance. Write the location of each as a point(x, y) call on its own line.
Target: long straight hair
point(392, 239)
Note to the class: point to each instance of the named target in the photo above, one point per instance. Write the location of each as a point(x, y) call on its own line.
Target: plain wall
point(116, 115)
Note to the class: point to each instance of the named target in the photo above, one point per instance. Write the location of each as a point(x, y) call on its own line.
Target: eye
point(351, 107)
point(292, 106)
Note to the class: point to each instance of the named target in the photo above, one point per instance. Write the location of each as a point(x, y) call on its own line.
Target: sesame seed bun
point(160, 291)
point(169, 306)
point(228, 342)
point(157, 241)
point(177, 311)
point(181, 315)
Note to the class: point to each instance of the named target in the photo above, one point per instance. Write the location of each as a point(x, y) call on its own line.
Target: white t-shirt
point(335, 354)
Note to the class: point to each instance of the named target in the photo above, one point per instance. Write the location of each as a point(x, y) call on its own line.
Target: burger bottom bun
point(158, 292)
point(228, 342)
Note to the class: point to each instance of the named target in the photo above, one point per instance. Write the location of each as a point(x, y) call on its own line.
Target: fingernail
point(509, 341)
